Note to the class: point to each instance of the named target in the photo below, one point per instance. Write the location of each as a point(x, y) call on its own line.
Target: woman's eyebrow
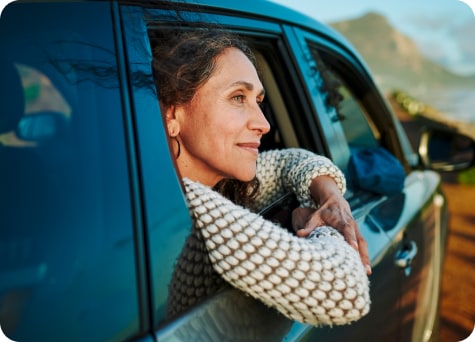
point(247, 85)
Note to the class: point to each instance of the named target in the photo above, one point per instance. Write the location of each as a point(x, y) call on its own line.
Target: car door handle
point(405, 255)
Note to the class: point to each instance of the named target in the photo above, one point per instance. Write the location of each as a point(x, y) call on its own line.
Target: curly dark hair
point(185, 59)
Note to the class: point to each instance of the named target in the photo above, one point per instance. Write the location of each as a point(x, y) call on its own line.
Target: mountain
point(394, 58)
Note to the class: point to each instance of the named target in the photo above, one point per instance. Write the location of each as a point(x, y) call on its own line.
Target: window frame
point(364, 89)
point(254, 30)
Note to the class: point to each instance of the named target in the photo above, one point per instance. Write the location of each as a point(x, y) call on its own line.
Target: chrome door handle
point(405, 255)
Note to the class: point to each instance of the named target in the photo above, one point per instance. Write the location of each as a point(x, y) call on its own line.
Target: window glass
point(357, 125)
point(359, 130)
point(67, 257)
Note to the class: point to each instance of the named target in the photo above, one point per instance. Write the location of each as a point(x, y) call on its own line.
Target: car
point(93, 215)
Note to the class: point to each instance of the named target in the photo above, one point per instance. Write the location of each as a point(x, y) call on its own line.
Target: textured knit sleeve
point(319, 280)
point(292, 170)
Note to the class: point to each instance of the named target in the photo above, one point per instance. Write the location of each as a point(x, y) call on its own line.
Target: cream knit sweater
point(315, 280)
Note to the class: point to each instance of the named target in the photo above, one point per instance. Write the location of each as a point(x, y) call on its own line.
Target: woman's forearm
point(319, 281)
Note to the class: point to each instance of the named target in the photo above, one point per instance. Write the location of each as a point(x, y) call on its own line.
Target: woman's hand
point(333, 210)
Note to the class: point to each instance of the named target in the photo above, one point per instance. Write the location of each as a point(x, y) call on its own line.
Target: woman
point(210, 95)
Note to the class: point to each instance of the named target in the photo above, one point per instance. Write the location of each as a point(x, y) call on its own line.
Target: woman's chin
point(247, 177)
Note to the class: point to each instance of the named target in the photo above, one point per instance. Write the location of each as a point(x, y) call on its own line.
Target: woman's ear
point(173, 126)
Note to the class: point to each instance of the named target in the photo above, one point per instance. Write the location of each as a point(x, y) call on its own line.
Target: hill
point(394, 58)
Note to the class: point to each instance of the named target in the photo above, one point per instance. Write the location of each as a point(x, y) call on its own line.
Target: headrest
point(12, 98)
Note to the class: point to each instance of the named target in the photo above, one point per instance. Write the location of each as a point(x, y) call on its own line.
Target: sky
point(444, 30)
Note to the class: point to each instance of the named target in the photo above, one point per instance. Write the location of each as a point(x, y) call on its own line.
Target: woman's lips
point(251, 147)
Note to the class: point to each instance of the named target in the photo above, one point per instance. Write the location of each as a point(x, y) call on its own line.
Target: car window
point(348, 112)
point(67, 253)
point(194, 293)
point(352, 117)
point(357, 125)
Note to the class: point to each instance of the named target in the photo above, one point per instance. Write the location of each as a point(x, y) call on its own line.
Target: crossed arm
point(319, 186)
point(317, 280)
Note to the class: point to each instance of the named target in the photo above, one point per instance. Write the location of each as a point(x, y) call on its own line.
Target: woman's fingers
point(359, 243)
point(300, 218)
point(364, 254)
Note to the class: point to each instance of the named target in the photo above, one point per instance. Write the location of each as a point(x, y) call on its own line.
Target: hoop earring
point(179, 147)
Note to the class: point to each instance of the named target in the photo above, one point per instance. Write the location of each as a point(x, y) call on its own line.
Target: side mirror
point(42, 126)
point(446, 151)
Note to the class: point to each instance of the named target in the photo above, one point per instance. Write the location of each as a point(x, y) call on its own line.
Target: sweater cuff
point(314, 168)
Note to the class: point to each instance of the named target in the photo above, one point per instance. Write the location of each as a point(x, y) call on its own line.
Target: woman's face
point(221, 128)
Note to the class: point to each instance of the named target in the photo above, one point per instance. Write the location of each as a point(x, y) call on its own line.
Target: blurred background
point(422, 54)
point(425, 47)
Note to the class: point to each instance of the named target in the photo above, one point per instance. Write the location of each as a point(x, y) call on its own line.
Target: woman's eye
point(238, 98)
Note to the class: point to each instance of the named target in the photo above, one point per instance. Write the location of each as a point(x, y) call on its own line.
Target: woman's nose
point(259, 121)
